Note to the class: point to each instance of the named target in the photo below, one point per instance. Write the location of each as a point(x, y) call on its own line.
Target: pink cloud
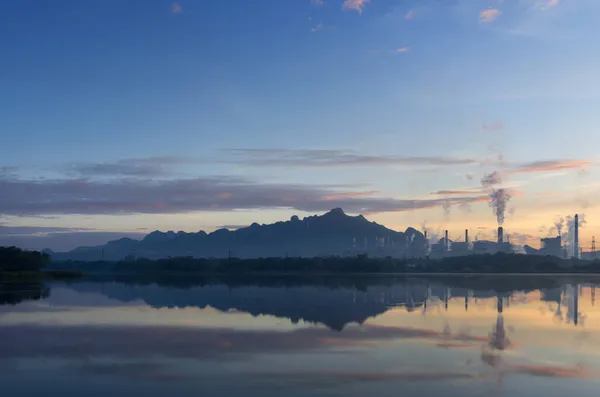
point(409, 15)
point(349, 195)
point(489, 15)
point(318, 2)
point(549, 4)
point(176, 9)
point(553, 166)
point(495, 126)
point(357, 5)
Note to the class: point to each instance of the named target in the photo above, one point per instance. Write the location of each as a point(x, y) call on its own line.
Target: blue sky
point(370, 105)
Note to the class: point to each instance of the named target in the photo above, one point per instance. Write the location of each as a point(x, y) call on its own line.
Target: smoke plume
point(491, 179)
point(569, 237)
point(559, 223)
point(498, 200)
point(446, 206)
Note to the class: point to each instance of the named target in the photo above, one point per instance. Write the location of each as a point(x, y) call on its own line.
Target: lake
point(188, 336)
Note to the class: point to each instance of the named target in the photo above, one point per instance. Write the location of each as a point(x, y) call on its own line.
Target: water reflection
point(419, 336)
point(12, 293)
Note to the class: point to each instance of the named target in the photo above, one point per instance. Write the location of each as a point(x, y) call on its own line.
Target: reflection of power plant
point(566, 300)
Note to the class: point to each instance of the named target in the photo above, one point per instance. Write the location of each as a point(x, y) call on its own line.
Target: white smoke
point(446, 206)
point(559, 224)
point(569, 237)
point(498, 200)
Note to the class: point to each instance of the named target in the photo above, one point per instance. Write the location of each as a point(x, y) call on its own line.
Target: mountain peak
point(336, 212)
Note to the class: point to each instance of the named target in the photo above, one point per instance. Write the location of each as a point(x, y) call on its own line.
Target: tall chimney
point(446, 241)
point(467, 236)
point(576, 237)
point(500, 235)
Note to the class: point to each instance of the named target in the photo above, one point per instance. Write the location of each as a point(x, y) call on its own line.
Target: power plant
point(560, 246)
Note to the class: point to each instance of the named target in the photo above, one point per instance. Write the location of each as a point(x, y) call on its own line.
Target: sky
point(119, 118)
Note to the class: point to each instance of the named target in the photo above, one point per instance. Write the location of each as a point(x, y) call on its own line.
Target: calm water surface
point(512, 336)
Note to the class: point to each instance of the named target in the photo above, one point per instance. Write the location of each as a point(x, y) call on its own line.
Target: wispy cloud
point(333, 158)
point(356, 5)
point(317, 2)
point(400, 50)
point(547, 4)
point(494, 126)
point(176, 8)
point(489, 15)
point(409, 15)
point(317, 28)
point(24, 197)
point(552, 166)
point(460, 192)
point(140, 167)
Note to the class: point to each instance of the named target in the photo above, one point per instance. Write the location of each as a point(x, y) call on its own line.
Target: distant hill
point(333, 233)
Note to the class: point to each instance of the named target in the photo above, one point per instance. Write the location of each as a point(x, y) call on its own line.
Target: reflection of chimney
point(500, 235)
point(467, 236)
point(446, 245)
point(446, 298)
point(576, 305)
point(576, 237)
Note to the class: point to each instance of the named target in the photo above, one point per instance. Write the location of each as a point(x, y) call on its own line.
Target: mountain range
point(333, 233)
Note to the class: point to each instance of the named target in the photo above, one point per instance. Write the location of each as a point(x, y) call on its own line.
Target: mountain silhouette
point(333, 233)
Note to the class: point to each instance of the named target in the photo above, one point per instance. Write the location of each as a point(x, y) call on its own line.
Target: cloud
point(489, 15)
point(24, 197)
point(333, 158)
point(552, 166)
point(357, 5)
point(402, 50)
point(317, 28)
point(176, 9)
point(409, 15)
point(491, 179)
point(547, 4)
point(462, 192)
point(36, 230)
point(62, 240)
point(495, 126)
point(139, 167)
point(317, 2)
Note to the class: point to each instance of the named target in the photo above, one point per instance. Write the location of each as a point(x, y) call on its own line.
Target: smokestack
point(500, 235)
point(576, 237)
point(467, 236)
point(446, 241)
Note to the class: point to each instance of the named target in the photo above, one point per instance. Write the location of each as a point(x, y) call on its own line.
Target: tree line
point(496, 263)
point(13, 259)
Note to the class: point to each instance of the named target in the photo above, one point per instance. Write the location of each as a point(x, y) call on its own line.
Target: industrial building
point(552, 246)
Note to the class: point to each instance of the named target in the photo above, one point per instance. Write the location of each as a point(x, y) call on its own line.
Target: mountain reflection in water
point(292, 336)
